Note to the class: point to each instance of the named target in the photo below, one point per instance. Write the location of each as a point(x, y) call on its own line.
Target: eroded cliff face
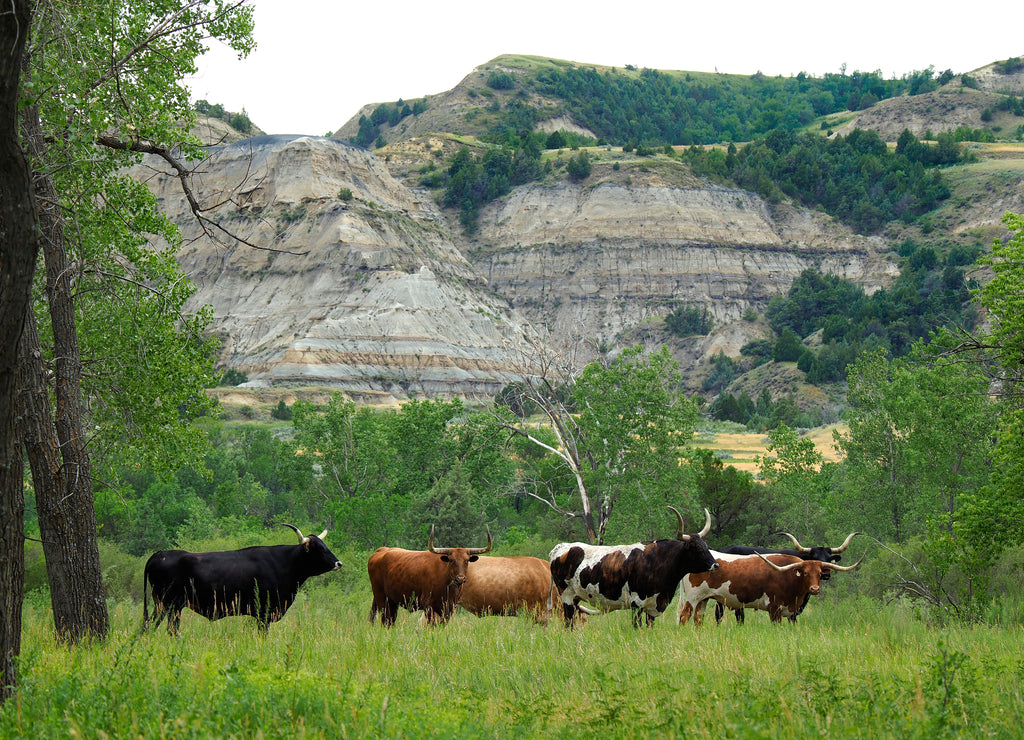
point(350, 280)
point(600, 258)
point(347, 279)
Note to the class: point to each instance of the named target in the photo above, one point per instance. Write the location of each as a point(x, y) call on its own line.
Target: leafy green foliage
point(634, 417)
point(917, 443)
point(238, 121)
point(232, 377)
point(688, 321)
point(391, 114)
point(654, 107)
point(578, 167)
point(854, 178)
point(500, 81)
point(121, 85)
point(473, 181)
point(739, 508)
point(927, 294)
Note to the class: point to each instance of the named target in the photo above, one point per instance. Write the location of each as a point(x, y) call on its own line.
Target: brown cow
point(431, 579)
point(508, 586)
point(778, 584)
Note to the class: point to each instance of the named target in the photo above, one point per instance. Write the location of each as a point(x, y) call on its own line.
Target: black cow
point(824, 554)
point(643, 576)
point(259, 582)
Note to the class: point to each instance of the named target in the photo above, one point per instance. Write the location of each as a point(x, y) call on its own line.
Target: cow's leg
point(637, 617)
point(159, 612)
point(739, 616)
point(685, 612)
point(173, 620)
point(569, 614)
point(775, 612)
point(719, 612)
point(698, 612)
point(389, 613)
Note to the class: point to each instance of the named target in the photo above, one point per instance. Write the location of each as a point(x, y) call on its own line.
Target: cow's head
point(696, 541)
point(813, 570)
point(824, 554)
point(318, 552)
point(458, 558)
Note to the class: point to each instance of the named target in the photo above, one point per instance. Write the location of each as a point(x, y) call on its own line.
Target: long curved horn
point(837, 550)
point(797, 545)
point(707, 524)
point(680, 535)
point(292, 526)
point(482, 550)
point(833, 566)
point(436, 550)
point(780, 568)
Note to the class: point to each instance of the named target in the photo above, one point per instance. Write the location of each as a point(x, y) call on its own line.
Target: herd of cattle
point(262, 582)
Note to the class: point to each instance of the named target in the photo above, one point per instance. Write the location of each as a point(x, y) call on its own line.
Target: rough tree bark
point(55, 442)
point(18, 250)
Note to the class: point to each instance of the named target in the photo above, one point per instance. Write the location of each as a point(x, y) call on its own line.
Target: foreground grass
point(853, 671)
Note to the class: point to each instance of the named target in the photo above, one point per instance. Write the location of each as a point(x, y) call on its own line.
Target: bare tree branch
point(184, 174)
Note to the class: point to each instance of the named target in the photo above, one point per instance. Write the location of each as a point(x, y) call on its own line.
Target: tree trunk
point(61, 470)
point(19, 246)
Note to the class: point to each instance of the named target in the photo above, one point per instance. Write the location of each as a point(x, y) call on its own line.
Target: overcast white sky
point(319, 61)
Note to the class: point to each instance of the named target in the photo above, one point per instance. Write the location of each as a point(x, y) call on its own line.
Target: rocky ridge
point(359, 283)
point(353, 279)
point(353, 282)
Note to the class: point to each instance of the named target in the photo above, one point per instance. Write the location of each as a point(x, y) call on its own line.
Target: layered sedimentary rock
point(348, 279)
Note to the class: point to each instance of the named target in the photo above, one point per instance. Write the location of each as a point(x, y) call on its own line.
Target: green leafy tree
point(918, 442)
point(738, 505)
point(578, 167)
point(992, 517)
point(788, 347)
point(617, 433)
point(790, 467)
point(103, 88)
point(451, 506)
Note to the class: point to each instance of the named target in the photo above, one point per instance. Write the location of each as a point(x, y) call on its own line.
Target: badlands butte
point(355, 279)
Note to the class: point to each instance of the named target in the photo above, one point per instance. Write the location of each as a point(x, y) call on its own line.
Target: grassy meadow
point(851, 667)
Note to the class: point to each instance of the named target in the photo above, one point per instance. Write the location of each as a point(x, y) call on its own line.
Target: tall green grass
point(849, 668)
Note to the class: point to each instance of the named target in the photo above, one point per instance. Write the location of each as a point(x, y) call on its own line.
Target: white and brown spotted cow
point(643, 576)
point(777, 584)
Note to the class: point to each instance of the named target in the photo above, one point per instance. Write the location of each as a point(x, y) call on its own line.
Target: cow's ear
point(305, 544)
point(445, 559)
point(473, 558)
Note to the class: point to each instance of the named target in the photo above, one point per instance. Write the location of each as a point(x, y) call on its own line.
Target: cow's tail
point(551, 594)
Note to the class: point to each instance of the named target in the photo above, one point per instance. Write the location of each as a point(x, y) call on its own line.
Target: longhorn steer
point(259, 582)
point(431, 579)
point(508, 586)
point(643, 576)
point(778, 584)
point(822, 553)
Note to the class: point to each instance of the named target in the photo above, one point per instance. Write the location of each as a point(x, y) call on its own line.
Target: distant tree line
point(930, 293)
point(386, 113)
point(655, 107)
point(238, 121)
point(854, 178)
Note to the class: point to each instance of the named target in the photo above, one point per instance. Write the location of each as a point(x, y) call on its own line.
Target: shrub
point(500, 81)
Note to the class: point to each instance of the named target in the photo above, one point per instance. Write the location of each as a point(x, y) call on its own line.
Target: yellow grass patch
point(741, 449)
